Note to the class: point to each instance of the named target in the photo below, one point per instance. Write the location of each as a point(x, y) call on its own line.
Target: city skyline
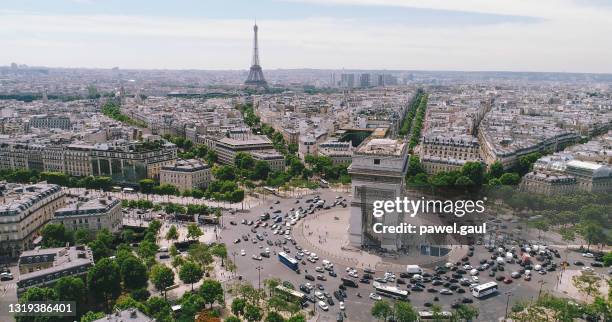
point(474, 35)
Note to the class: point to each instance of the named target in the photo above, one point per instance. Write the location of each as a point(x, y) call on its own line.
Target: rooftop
point(390, 147)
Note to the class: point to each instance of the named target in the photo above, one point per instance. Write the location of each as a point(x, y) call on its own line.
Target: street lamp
point(509, 294)
point(259, 268)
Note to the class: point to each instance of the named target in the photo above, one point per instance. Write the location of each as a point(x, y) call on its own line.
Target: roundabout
point(326, 233)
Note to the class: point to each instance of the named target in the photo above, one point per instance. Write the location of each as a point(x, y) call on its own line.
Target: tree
point(146, 185)
point(159, 308)
point(238, 305)
point(147, 249)
point(252, 313)
point(232, 319)
point(261, 171)
point(36, 294)
point(466, 312)
point(211, 291)
point(55, 235)
point(274, 317)
point(126, 301)
point(224, 172)
point(193, 231)
point(81, 236)
point(381, 310)
point(190, 273)
point(474, 171)
point(272, 283)
point(510, 179)
point(496, 170)
point(162, 277)
point(172, 233)
point(133, 273)
point(70, 288)
point(607, 259)
point(104, 280)
point(220, 251)
point(404, 312)
point(592, 233)
point(92, 316)
point(297, 318)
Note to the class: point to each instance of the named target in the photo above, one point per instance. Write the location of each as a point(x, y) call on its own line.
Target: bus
point(430, 316)
point(390, 291)
point(288, 261)
point(348, 282)
point(291, 295)
point(485, 289)
point(323, 183)
point(271, 190)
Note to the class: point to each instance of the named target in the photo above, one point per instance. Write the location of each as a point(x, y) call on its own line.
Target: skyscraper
point(256, 76)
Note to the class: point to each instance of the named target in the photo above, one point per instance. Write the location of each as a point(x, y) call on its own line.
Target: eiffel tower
point(256, 76)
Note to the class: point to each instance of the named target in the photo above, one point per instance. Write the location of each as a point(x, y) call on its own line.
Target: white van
point(414, 269)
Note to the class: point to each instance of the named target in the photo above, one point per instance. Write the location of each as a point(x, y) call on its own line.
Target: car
point(333, 274)
point(321, 277)
point(588, 255)
point(319, 269)
point(596, 264)
point(375, 297)
point(164, 256)
point(475, 279)
point(578, 263)
point(309, 277)
point(446, 291)
point(491, 273)
point(416, 289)
point(341, 305)
point(528, 277)
point(507, 280)
point(256, 257)
point(460, 290)
point(587, 269)
point(242, 252)
point(432, 290)
point(330, 301)
point(499, 278)
point(323, 306)
point(6, 276)
point(515, 275)
point(364, 281)
point(467, 300)
point(233, 223)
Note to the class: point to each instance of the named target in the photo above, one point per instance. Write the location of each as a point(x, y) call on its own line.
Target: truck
point(414, 269)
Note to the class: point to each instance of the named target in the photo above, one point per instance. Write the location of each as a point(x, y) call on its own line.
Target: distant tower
point(45, 98)
point(256, 76)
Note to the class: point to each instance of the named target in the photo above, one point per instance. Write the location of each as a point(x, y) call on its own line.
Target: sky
point(469, 35)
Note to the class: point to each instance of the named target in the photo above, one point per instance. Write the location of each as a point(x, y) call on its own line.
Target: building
point(274, 159)
point(24, 210)
point(548, 183)
point(92, 214)
point(128, 315)
point(227, 148)
point(442, 153)
point(347, 80)
point(186, 174)
point(43, 267)
point(364, 80)
point(121, 160)
point(338, 152)
point(51, 122)
point(378, 172)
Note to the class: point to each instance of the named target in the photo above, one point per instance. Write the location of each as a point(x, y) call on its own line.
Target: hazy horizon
point(555, 36)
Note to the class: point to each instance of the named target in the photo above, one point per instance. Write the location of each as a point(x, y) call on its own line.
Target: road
point(358, 309)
